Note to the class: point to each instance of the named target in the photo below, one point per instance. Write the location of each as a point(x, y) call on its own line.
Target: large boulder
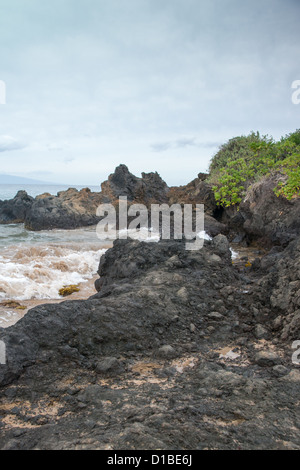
point(130, 259)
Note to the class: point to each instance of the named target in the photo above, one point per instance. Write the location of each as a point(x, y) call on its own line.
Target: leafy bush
point(243, 160)
point(290, 167)
point(234, 149)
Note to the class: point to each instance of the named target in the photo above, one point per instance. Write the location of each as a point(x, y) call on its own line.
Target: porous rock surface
point(167, 355)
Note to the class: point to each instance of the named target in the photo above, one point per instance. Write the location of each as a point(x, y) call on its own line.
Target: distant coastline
point(12, 179)
point(8, 191)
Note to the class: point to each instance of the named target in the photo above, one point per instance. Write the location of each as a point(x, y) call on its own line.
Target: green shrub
point(234, 149)
point(290, 167)
point(246, 159)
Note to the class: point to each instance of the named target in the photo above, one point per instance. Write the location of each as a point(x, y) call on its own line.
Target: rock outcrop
point(72, 208)
point(15, 210)
point(197, 191)
point(68, 210)
point(178, 349)
point(264, 217)
point(261, 217)
point(269, 216)
point(146, 190)
point(278, 289)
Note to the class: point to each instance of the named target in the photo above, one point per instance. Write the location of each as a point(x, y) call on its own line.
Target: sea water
point(36, 265)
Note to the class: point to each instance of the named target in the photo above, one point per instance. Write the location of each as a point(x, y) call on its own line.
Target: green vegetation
point(244, 160)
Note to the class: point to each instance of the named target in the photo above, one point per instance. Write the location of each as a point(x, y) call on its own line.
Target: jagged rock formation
point(149, 188)
point(71, 209)
point(261, 217)
point(197, 191)
point(15, 210)
point(68, 210)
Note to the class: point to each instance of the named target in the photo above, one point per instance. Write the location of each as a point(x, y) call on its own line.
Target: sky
point(157, 85)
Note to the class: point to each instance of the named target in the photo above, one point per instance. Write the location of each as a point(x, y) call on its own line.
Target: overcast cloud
point(155, 84)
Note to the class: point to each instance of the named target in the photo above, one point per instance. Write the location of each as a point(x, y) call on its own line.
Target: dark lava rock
point(72, 208)
point(266, 359)
point(197, 191)
point(279, 288)
point(15, 210)
point(68, 210)
point(148, 189)
point(265, 217)
point(108, 366)
point(125, 370)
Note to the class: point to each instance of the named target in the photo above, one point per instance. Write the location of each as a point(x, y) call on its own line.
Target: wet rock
point(221, 243)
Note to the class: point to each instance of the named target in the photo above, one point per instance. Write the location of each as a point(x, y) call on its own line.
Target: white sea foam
point(204, 236)
point(143, 234)
point(146, 235)
point(38, 272)
point(234, 254)
point(35, 265)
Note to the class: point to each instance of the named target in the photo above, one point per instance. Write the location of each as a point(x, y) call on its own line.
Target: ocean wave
point(38, 272)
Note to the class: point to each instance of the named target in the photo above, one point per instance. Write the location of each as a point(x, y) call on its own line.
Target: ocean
point(35, 265)
point(8, 191)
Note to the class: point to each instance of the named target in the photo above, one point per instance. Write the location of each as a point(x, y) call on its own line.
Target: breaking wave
point(39, 272)
point(42, 263)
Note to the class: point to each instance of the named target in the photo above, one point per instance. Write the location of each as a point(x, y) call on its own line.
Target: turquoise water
point(8, 191)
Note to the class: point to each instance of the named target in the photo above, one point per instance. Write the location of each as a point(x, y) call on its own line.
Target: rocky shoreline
point(261, 217)
point(177, 349)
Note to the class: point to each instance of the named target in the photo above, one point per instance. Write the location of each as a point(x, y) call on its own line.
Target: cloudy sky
point(155, 84)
